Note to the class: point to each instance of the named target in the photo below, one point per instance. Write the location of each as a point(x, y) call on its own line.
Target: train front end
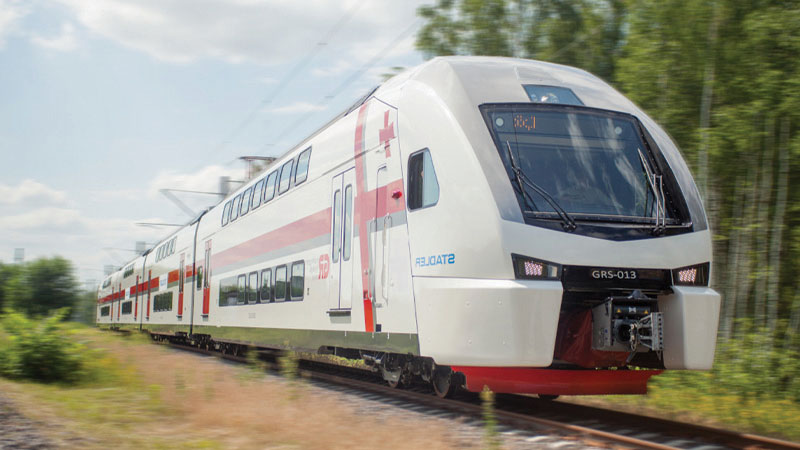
point(597, 238)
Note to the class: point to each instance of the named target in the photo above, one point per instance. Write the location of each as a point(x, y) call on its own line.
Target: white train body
point(400, 236)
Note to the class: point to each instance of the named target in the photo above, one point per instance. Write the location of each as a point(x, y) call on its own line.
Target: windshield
point(590, 162)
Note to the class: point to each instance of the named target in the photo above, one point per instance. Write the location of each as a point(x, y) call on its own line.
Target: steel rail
point(527, 420)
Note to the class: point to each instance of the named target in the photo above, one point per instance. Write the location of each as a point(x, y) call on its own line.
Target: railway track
point(590, 425)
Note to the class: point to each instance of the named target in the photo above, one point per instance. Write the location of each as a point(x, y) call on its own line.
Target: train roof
point(485, 79)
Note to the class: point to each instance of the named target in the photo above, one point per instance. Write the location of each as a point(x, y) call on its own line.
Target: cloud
point(295, 108)
point(49, 218)
point(30, 192)
point(10, 13)
point(64, 42)
point(272, 32)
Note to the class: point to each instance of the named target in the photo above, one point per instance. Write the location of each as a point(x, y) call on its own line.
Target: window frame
point(275, 292)
point(268, 286)
point(336, 245)
point(247, 195)
point(307, 154)
point(274, 176)
point(258, 190)
point(237, 201)
point(347, 224)
point(421, 152)
point(302, 264)
point(252, 291)
point(289, 163)
point(241, 289)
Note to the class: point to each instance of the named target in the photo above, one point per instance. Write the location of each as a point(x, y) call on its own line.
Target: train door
point(149, 285)
point(340, 281)
point(206, 278)
point(379, 241)
point(136, 301)
point(181, 281)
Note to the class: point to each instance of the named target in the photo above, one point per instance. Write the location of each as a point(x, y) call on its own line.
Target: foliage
point(40, 350)
point(85, 308)
point(39, 287)
point(751, 386)
point(490, 435)
point(582, 33)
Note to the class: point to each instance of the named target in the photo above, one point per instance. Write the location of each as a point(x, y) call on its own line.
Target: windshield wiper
point(656, 180)
point(522, 180)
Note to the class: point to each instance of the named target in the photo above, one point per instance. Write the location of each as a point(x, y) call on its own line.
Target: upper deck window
point(286, 176)
point(226, 212)
point(302, 166)
point(552, 94)
point(235, 207)
point(257, 193)
point(246, 198)
point(269, 187)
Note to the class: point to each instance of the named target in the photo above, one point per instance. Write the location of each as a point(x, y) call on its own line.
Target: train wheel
point(443, 382)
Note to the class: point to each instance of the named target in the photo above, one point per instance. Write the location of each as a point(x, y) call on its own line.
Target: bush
point(39, 349)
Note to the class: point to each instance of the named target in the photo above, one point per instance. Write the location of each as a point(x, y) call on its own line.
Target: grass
point(752, 388)
point(149, 396)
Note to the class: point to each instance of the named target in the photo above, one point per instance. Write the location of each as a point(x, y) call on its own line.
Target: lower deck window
point(298, 279)
point(162, 302)
point(281, 287)
point(252, 287)
point(127, 307)
point(265, 293)
point(105, 311)
point(228, 292)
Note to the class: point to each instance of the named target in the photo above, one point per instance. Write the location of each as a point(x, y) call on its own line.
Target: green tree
point(42, 286)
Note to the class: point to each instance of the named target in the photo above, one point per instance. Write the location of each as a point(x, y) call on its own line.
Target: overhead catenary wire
point(291, 75)
point(352, 78)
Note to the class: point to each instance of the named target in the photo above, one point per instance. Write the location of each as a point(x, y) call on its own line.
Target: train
point(471, 222)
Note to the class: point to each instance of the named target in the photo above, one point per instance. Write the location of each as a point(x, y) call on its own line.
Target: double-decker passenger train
point(472, 221)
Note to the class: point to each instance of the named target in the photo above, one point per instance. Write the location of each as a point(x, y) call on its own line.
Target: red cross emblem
point(386, 133)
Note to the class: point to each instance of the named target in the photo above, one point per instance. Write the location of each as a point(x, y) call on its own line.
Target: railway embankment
point(18, 431)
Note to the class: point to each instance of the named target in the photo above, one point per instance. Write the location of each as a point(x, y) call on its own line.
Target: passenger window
point(199, 277)
point(348, 221)
point(225, 213)
point(281, 287)
point(423, 187)
point(241, 283)
point(246, 196)
point(266, 286)
point(235, 207)
point(302, 166)
point(298, 278)
point(257, 193)
point(269, 188)
point(228, 292)
point(252, 288)
point(286, 177)
point(337, 225)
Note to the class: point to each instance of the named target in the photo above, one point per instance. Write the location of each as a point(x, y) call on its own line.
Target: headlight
point(533, 269)
point(696, 275)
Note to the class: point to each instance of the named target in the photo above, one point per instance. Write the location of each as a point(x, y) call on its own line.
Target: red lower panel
point(521, 380)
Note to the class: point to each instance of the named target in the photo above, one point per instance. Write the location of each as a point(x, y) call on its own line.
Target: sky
point(105, 102)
